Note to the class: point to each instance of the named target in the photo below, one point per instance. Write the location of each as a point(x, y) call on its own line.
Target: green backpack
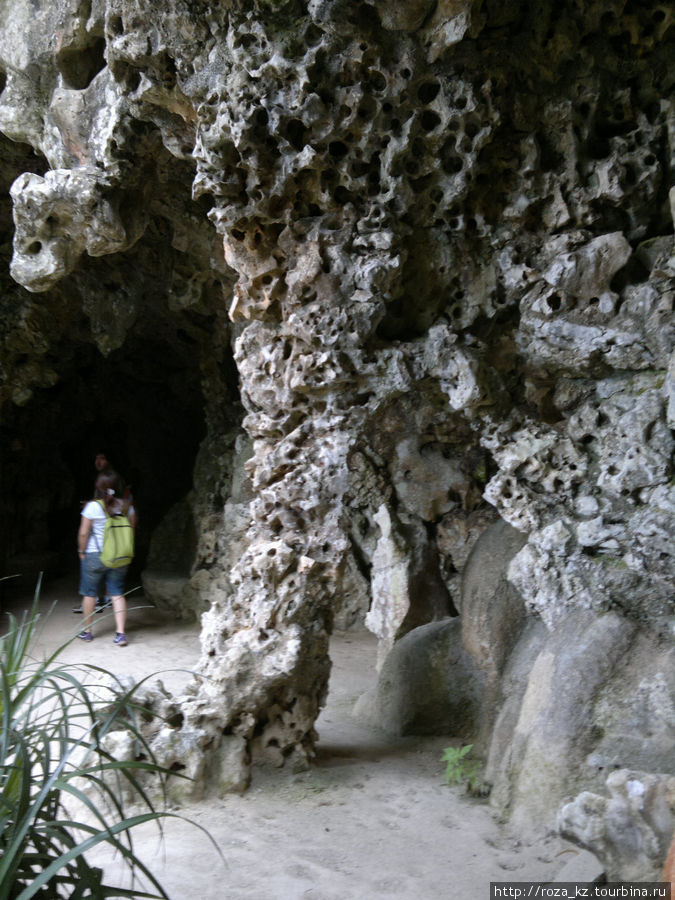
point(118, 540)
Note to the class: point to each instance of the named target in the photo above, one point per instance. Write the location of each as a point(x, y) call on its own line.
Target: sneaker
point(77, 609)
point(86, 636)
point(120, 639)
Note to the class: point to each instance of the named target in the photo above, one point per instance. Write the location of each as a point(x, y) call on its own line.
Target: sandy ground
point(371, 819)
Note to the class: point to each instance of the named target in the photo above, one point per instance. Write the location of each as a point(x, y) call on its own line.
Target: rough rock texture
point(428, 685)
point(492, 617)
point(445, 677)
point(631, 829)
point(378, 275)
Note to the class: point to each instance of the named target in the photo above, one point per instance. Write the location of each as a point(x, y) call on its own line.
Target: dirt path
point(371, 819)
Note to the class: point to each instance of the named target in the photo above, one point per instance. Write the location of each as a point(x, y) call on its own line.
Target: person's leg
point(120, 609)
point(115, 590)
point(91, 573)
point(88, 613)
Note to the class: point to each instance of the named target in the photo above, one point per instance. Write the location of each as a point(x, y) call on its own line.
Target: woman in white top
point(97, 579)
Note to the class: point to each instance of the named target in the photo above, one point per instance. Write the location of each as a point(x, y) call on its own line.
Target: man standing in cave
point(101, 463)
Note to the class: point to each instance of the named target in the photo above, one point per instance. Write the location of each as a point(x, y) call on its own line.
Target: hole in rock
point(342, 195)
point(261, 116)
point(429, 120)
point(79, 67)
point(367, 108)
point(313, 35)
point(451, 163)
point(295, 134)
point(337, 149)
point(428, 91)
point(377, 81)
point(142, 405)
point(245, 40)
point(549, 156)
point(126, 75)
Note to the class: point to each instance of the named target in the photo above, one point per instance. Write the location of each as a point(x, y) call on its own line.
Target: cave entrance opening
point(142, 405)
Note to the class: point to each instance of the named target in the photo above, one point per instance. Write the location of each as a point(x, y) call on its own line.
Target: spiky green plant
point(53, 761)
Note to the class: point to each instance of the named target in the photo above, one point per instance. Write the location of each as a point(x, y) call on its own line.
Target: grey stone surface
point(493, 617)
point(593, 697)
point(428, 685)
point(493, 613)
point(544, 755)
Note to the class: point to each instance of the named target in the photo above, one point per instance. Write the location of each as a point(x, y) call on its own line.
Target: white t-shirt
point(94, 511)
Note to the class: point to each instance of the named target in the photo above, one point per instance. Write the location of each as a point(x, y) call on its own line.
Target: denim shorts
point(97, 580)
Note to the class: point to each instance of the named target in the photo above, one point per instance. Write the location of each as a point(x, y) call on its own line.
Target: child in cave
point(97, 579)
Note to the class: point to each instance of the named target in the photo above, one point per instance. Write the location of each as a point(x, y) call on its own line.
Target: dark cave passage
point(142, 406)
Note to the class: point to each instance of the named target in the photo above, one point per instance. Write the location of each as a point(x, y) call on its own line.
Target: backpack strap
point(100, 549)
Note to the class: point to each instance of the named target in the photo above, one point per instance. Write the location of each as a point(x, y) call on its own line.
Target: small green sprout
point(460, 770)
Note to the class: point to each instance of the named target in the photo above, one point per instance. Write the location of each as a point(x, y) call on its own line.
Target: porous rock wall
point(436, 238)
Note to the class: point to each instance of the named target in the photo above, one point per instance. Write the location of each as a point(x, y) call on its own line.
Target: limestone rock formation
point(631, 829)
point(429, 684)
point(344, 283)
